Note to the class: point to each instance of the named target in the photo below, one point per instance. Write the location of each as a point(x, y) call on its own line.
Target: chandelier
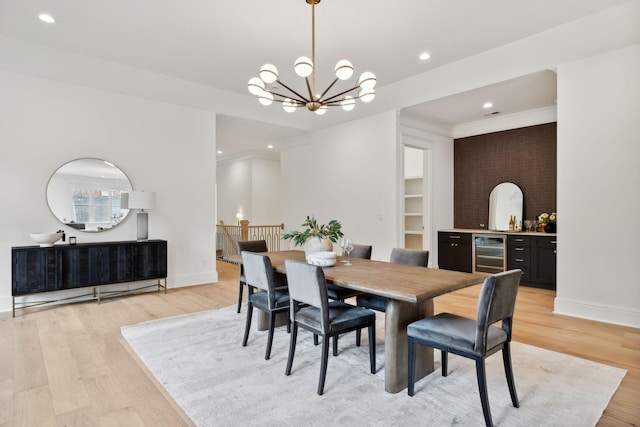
point(305, 68)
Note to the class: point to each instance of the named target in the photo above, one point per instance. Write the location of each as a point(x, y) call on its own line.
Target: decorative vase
point(314, 244)
point(550, 227)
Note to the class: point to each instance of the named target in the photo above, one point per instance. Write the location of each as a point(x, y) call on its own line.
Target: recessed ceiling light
point(487, 105)
point(424, 56)
point(44, 17)
point(219, 151)
point(269, 146)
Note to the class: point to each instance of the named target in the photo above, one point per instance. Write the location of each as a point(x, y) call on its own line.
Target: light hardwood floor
point(68, 365)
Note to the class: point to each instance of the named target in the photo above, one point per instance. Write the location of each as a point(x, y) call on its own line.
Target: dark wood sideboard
point(533, 253)
point(36, 269)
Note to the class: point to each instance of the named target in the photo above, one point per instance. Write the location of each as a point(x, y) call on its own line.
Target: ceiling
point(221, 44)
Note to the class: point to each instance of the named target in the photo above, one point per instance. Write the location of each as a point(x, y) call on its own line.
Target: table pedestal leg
point(398, 315)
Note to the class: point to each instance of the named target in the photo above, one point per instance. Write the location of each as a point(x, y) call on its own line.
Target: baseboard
point(192, 279)
point(602, 313)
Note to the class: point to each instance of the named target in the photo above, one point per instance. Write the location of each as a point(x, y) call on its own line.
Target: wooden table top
point(396, 281)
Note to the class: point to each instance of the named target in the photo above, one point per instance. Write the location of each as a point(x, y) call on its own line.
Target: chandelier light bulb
point(265, 98)
point(367, 95)
point(303, 66)
point(269, 73)
point(289, 106)
point(348, 103)
point(367, 80)
point(344, 69)
point(255, 86)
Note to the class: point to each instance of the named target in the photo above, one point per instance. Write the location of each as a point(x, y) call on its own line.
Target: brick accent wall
point(525, 156)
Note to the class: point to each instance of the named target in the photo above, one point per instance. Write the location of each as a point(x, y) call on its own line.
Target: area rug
point(200, 361)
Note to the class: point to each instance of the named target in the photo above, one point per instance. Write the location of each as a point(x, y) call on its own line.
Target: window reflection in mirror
point(85, 194)
point(505, 200)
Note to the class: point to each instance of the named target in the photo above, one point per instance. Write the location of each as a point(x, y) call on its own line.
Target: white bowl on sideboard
point(46, 239)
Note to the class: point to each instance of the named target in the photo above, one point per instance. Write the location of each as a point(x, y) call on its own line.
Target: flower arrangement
point(545, 218)
point(331, 230)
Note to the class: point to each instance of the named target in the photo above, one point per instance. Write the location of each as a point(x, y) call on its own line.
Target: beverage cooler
point(489, 253)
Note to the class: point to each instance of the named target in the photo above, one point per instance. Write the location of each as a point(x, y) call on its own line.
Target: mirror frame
point(95, 186)
point(506, 199)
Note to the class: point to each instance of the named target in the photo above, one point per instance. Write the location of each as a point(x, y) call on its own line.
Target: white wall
point(164, 148)
point(599, 187)
point(250, 184)
point(353, 173)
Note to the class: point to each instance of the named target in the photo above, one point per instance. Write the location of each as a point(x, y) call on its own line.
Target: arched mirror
point(505, 200)
point(85, 194)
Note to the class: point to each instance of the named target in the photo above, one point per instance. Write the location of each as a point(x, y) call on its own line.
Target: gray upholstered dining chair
point(473, 339)
point(398, 256)
point(251, 246)
point(268, 298)
point(311, 309)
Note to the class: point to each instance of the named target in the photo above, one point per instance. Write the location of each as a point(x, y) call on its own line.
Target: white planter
point(313, 245)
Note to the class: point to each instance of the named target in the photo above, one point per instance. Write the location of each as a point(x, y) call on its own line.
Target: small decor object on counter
point(72, 240)
point(47, 239)
point(547, 222)
point(316, 237)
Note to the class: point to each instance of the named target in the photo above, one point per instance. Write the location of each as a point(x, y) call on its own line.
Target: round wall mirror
point(505, 200)
point(85, 194)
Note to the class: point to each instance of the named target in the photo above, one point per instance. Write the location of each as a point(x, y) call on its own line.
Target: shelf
point(413, 214)
point(413, 196)
point(412, 231)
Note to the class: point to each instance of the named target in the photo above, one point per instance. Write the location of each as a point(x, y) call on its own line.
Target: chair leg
point(411, 362)
point(323, 364)
point(335, 345)
point(292, 348)
point(372, 347)
point(444, 363)
point(506, 358)
point(315, 339)
point(358, 337)
point(272, 322)
point(240, 296)
point(484, 396)
point(248, 324)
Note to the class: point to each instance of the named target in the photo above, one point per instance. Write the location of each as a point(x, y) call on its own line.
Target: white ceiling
point(222, 44)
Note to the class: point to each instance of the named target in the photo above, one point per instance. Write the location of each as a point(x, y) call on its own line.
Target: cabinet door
point(36, 270)
point(454, 251)
point(150, 260)
point(76, 267)
point(545, 265)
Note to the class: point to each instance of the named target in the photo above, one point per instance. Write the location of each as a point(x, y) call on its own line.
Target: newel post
point(244, 229)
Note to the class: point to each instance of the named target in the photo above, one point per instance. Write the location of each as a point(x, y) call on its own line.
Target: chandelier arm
point(327, 89)
point(300, 97)
point(330, 99)
point(312, 97)
point(285, 97)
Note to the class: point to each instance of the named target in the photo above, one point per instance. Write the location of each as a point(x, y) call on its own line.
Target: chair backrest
point(496, 303)
point(258, 272)
point(409, 257)
point(361, 251)
point(252, 246)
point(307, 285)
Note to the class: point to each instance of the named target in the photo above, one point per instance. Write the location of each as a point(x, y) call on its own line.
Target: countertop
point(482, 231)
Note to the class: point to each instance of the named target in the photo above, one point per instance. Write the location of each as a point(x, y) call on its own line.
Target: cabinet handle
point(519, 260)
point(454, 237)
point(519, 240)
point(519, 249)
point(553, 241)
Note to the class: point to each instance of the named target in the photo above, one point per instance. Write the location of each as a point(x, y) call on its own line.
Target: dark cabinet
point(454, 251)
point(535, 256)
point(43, 269)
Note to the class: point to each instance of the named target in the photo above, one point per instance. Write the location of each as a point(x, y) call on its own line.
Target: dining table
point(410, 291)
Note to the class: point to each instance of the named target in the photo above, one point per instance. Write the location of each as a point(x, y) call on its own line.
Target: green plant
point(331, 231)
